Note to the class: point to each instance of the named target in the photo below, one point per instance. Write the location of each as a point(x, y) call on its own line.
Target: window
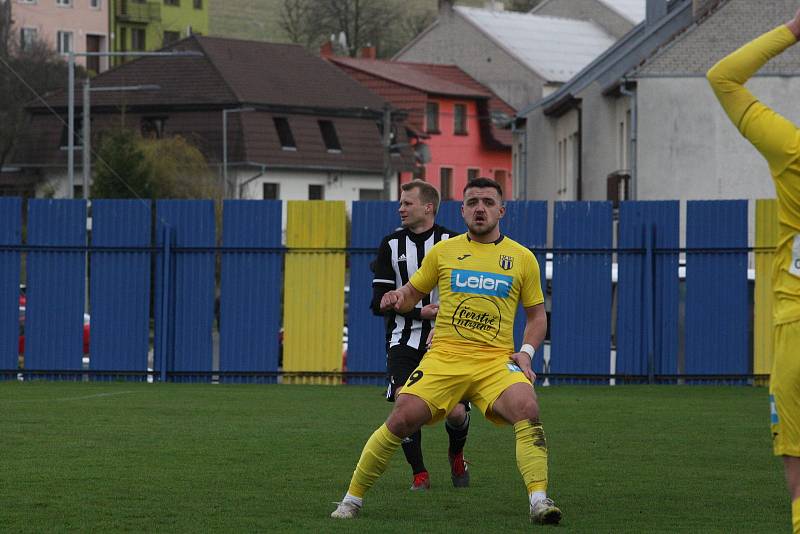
point(138, 39)
point(432, 117)
point(473, 174)
point(285, 133)
point(64, 3)
point(171, 37)
point(78, 133)
point(27, 38)
point(95, 4)
point(316, 192)
point(172, 3)
point(123, 39)
point(271, 191)
point(370, 194)
point(446, 183)
point(567, 166)
point(198, 4)
point(153, 127)
point(500, 176)
point(329, 136)
point(460, 119)
point(64, 40)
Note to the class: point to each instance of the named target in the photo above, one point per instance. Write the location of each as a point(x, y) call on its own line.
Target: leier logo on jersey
point(480, 283)
point(506, 262)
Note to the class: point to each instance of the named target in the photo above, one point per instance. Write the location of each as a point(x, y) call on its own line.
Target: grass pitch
point(111, 457)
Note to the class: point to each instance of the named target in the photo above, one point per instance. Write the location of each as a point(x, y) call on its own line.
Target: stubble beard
point(474, 230)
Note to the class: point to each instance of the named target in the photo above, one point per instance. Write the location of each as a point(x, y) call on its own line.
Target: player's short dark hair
point(484, 182)
point(427, 193)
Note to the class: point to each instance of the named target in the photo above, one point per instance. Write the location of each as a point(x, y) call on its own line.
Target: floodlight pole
point(225, 184)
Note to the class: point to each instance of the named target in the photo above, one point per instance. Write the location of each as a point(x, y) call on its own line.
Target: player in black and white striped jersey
point(407, 335)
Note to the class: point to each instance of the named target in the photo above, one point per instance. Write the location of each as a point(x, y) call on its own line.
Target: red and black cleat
point(422, 482)
point(458, 470)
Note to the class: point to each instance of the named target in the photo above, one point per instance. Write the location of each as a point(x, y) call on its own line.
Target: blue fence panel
point(716, 288)
point(120, 286)
point(449, 216)
point(250, 290)
point(56, 285)
point(189, 344)
point(10, 234)
point(581, 313)
point(366, 350)
point(526, 223)
point(647, 293)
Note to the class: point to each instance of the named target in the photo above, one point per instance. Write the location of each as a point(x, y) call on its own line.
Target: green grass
point(200, 458)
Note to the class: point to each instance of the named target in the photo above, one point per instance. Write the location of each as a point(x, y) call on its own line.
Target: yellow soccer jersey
point(778, 140)
point(480, 287)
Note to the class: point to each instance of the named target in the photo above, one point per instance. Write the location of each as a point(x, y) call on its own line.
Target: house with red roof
point(455, 124)
point(296, 127)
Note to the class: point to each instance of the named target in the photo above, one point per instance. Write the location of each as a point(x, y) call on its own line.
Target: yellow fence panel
point(313, 290)
point(766, 239)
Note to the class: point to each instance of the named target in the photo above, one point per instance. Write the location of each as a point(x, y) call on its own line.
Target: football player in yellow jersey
point(778, 140)
point(482, 276)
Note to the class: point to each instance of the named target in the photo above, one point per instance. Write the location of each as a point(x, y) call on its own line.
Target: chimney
point(326, 49)
point(445, 5)
point(655, 10)
point(701, 7)
point(368, 52)
point(494, 5)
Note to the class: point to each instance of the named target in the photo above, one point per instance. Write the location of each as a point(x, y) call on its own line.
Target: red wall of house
point(462, 152)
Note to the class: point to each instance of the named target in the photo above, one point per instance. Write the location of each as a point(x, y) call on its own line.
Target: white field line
point(65, 399)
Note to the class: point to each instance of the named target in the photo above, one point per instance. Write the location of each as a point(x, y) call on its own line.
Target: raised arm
point(773, 135)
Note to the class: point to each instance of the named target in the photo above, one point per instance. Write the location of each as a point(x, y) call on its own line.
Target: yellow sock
point(374, 458)
point(532, 455)
point(796, 516)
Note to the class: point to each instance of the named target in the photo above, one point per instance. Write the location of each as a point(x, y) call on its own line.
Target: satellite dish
point(423, 153)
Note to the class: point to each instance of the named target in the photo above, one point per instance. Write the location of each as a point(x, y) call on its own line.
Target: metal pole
point(71, 124)
point(224, 152)
point(87, 139)
point(649, 297)
point(164, 322)
point(387, 157)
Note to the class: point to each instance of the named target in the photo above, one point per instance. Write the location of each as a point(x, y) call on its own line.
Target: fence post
point(649, 297)
point(165, 300)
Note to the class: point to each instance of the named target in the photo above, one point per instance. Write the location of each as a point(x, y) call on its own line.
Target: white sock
point(537, 496)
point(358, 501)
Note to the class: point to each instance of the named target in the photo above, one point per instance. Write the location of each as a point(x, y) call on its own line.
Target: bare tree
point(26, 73)
point(523, 6)
point(353, 23)
point(298, 20)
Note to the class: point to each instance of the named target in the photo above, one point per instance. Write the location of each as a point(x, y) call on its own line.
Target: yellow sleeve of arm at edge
point(775, 137)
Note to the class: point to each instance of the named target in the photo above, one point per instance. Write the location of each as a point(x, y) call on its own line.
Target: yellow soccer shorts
point(442, 381)
point(784, 390)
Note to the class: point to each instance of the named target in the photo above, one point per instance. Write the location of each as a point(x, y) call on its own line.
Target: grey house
point(640, 122)
point(521, 57)
point(617, 17)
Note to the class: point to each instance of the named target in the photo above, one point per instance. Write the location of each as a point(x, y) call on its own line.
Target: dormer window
point(328, 131)
point(284, 133)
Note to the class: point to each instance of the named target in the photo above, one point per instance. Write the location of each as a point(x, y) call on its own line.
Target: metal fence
point(178, 292)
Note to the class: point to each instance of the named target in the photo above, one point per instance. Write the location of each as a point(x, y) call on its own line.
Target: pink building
point(449, 114)
point(66, 25)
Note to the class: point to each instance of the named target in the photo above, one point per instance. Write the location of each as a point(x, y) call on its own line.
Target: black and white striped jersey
point(399, 256)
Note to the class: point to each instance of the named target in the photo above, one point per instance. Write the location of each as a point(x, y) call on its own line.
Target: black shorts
point(401, 360)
